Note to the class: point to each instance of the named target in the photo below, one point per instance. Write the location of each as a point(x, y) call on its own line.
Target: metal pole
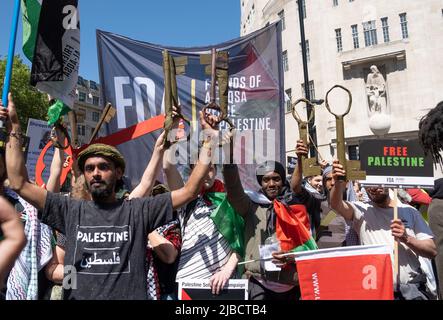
point(311, 129)
point(9, 64)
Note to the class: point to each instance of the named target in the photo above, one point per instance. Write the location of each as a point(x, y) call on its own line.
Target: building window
point(334, 3)
point(81, 96)
point(285, 61)
point(95, 116)
point(95, 100)
point(80, 130)
point(308, 52)
point(354, 29)
point(404, 26)
point(281, 15)
point(370, 32)
point(353, 152)
point(339, 40)
point(93, 85)
point(311, 90)
point(385, 26)
point(288, 99)
point(303, 6)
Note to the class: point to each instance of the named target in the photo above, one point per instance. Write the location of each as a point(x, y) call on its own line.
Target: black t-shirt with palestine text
point(106, 244)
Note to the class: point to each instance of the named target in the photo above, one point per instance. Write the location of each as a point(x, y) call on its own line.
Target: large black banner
point(131, 75)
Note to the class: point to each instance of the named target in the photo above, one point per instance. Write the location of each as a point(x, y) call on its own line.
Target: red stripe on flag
point(292, 225)
point(130, 133)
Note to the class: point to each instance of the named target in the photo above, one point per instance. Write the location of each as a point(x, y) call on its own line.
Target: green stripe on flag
point(31, 16)
point(228, 222)
point(308, 245)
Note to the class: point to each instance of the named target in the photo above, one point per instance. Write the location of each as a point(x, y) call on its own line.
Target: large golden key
point(171, 68)
point(310, 165)
point(217, 65)
point(352, 167)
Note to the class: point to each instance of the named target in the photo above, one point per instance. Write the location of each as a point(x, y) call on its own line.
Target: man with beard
point(374, 224)
point(106, 237)
point(262, 220)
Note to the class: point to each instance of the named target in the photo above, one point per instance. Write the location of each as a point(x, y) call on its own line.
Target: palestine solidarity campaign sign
point(131, 75)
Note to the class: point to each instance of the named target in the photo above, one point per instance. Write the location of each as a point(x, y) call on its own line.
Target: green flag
point(228, 222)
point(57, 110)
point(31, 15)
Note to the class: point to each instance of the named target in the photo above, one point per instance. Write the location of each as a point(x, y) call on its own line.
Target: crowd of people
point(101, 241)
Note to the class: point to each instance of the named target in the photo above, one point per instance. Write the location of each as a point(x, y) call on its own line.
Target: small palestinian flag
point(292, 227)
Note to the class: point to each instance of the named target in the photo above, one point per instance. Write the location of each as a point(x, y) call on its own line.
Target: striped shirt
point(204, 249)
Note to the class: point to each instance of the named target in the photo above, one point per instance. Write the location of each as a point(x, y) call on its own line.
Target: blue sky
point(167, 22)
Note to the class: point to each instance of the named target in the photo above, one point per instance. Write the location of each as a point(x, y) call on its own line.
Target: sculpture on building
point(378, 111)
point(376, 91)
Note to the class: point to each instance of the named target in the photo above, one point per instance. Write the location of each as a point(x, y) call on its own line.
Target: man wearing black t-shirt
point(106, 237)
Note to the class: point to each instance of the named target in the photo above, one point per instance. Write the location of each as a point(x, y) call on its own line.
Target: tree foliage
point(30, 103)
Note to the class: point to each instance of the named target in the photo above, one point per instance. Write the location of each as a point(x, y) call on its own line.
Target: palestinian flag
point(228, 222)
point(51, 40)
point(292, 227)
point(31, 14)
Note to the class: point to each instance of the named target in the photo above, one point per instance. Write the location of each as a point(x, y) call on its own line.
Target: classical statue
point(376, 91)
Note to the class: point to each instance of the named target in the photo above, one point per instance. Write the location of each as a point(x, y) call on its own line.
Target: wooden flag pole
point(396, 266)
point(73, 123)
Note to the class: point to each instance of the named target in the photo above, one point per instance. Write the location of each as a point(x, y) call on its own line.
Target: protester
point(12, 237)
point(435, 213)
point(94, 228)
point(206, 253)
point(375, 225)
point(334, 230)
point(314, 184)
point(262, 221)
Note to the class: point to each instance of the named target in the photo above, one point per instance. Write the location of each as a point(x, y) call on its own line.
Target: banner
point(131, 76)
point(346, 273)
point(39, 133)
point(396, 163)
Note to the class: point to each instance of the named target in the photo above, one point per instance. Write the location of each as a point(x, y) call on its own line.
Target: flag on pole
point(346, 273)
point(51, 40)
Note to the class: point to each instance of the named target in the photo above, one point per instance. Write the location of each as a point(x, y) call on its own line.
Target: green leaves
point(30, 103)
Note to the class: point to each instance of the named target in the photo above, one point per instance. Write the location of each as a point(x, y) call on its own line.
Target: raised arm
point(15, 161)
point(173, 177)
point(297, 176)
point(53, 184)
point(14, 238)
point(147, 182)
point(194, 184)
point(337, 202)
point(236, 195)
